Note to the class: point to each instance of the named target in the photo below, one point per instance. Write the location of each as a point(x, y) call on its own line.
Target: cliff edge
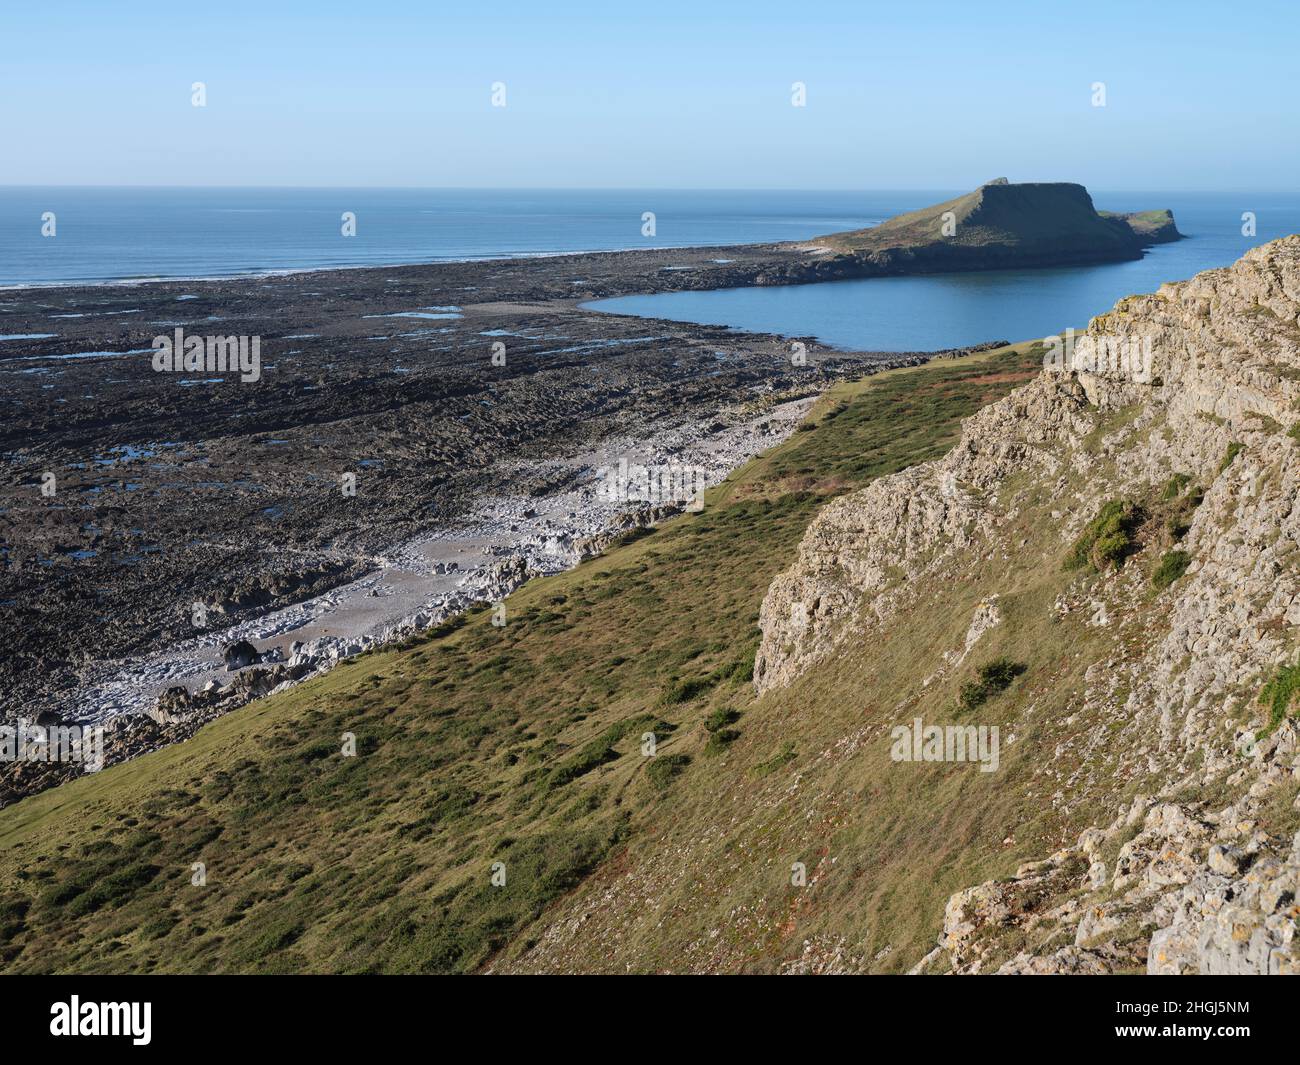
point(1127, 527)
point(1038, 218)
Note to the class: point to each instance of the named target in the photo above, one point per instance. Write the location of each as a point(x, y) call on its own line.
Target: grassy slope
point(519, 744)
point(810, 780)
point(1155, 225)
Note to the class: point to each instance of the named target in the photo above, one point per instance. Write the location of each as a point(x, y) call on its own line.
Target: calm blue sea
point(108, 234)
point(122, 233)
point(953, 310)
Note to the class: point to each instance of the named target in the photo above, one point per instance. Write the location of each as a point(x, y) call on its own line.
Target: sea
point(943, 311)
point(123, 235)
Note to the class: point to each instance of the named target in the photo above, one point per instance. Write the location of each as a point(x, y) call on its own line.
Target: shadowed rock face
point(1186, 878)
point(239, 654)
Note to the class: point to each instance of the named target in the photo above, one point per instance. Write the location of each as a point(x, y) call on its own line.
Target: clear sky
point(908, 94)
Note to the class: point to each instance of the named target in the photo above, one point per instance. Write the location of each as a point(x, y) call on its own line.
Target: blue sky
point(912, 94)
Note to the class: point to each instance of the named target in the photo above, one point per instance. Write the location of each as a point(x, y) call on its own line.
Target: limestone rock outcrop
point(1187, 395)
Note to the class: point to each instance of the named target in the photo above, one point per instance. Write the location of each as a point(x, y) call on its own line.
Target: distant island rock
point(999, 225)
point(1056, 218)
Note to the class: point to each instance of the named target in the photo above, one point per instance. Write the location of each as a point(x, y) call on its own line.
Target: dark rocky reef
point(172, 492)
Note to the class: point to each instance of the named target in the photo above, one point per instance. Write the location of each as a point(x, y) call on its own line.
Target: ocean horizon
point(122, 234)
point(116, 234)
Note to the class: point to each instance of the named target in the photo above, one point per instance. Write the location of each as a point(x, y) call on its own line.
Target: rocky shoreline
point(153, 518)
point(146, 510)
point(150, 701)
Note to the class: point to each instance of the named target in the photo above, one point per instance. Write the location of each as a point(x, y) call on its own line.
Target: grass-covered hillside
point(484, 750)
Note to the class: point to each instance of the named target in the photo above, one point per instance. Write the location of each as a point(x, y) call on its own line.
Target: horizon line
point(629, 188)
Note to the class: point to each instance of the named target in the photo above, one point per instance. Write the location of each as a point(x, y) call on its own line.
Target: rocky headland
point(1156, 501)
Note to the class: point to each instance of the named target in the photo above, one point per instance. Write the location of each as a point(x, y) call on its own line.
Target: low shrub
point(1109, 538)
point(719, 741)
point(1234, 449)
point(664, 767)
point(631, 536)
point(720, 718)
point(683, 691)
point(992, 678)
point(1279, 693)
point(1172, 566)
point(1175, 485)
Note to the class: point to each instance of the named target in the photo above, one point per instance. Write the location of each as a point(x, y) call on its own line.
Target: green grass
point(991, 679)
point(1175, 486)
point(779, 760)
point(477, 745)
point(662, 769)
point(1173, 564)
point(1279, 694)
point(1109, 538)
point(1234, 449)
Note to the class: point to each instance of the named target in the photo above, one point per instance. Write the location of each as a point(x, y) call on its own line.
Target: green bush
point(1109, 538)
point(448, 627)
point(683, 691)
point(1279, 693)
point(664, 767)
point(999, 673)
point(1234, 449)
point(590, 757)
point(159, 926)
point(112, 890)
point(601, 750)
point(1179, 503)
point(721, 740)
point(720, 718)
point(741, 669)
point(13, 911)
point(992, 678)
point(1172, 566)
